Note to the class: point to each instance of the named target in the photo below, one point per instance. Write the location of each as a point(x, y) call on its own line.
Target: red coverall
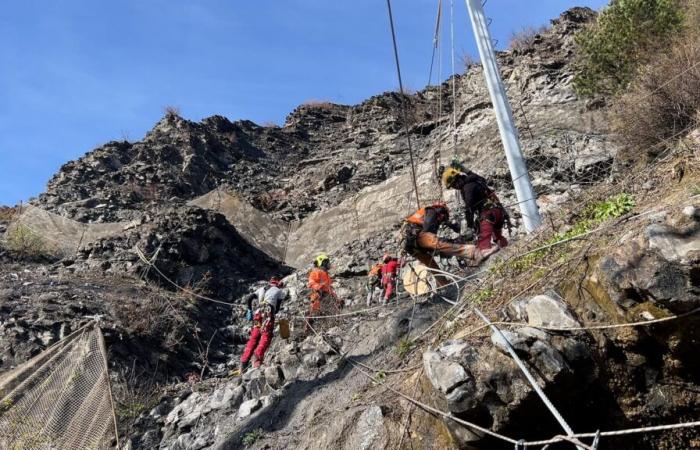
point(389, 271)
point(260, 336)
point(491, 223)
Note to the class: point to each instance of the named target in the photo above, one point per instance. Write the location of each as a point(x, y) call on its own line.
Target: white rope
point(403, 101)
point(641, 323)
point(533, 382)
point(622, 432)
point(358, 365)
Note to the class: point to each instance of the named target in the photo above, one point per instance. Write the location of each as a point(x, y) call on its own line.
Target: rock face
point(649, 276)
point(325, 153)
point(217, 206)
point(543, 310)
point(191, 246)
point(482, 384)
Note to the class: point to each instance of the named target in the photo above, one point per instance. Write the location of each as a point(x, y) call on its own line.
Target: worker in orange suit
point(422, 242)
point(321, 285)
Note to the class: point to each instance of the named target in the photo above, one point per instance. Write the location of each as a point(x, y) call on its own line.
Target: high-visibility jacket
point(417, 218)
point(319, 280)
point(429, 218)
point(375, 271)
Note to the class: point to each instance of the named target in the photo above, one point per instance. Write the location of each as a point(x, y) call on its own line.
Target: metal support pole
point(565, 426)
point(504, 117)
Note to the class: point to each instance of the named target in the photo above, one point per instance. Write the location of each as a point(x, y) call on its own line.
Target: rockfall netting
point(256, 227)
point(61, 398)
point(58, 234)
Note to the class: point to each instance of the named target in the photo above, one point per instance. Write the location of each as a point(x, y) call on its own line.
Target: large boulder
point(481, 383)
point(543, 310)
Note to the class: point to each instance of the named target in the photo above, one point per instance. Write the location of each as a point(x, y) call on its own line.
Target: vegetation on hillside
point(663, 100)
point(625, 36)
point(645, 54)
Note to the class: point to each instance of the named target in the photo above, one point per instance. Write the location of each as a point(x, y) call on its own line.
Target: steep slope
point(343, 170)
point(326, 152)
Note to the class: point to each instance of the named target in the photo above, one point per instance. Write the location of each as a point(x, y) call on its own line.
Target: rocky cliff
point(162, 237)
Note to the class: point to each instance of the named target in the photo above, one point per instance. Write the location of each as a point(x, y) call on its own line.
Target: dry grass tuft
point(319, 104)
point(172, 111)
point(524, 39)
point(663, 101)
point(7, 214)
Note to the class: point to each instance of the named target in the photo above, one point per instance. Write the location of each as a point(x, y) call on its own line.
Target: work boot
point(480, 255)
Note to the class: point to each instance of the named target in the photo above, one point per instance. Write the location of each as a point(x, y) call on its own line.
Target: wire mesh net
point(61, 398)
point(56, 234)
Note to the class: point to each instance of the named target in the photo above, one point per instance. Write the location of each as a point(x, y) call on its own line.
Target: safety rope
point(623, 432)
point(403, 101)
point(436, 47)
point(145, 260)
point(436, 40)
point(641, 323)
point(359, 366)
point(454, 82)
point(572, 438)
point(531, 379)
point(150, 264)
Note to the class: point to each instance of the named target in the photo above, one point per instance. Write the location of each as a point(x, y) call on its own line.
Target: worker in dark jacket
point(484, 212)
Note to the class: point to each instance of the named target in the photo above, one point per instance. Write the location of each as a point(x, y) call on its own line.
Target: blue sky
point(77, 73)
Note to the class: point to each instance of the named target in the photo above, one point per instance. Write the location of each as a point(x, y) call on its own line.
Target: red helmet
point(445, 211)
point(440, 204)
point(274, 281)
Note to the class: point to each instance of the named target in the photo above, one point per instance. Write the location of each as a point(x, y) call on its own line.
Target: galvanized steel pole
point(504, 117)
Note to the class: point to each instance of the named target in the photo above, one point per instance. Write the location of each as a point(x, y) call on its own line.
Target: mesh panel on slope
point(61, 398)
point(60, 234)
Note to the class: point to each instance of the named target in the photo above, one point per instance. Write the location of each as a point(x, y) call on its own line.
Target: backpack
point(375, 271)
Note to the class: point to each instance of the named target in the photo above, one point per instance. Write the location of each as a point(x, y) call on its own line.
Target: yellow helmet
point(321, 258)
point(449, 175)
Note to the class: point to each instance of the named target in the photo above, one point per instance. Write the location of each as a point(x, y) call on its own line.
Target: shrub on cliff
point(623, 38)
point(663, 99)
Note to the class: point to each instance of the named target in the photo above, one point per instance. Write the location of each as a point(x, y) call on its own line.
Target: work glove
point(249, 314)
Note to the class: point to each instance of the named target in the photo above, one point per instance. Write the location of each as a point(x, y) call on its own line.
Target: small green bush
point(623, 38)
point(611, 208)
point(252, 437)
point(403, 347)
point(478, 297)
point(379, 377)
point(592, 216)
point(25, 243)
